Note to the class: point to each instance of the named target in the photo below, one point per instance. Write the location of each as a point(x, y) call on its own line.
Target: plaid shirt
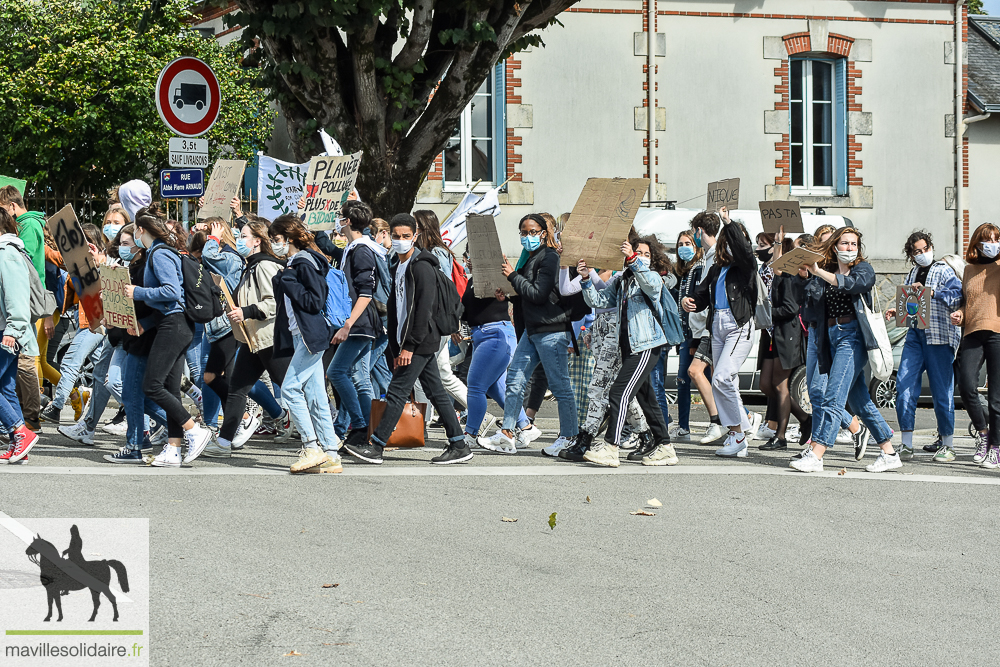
point(947, 294)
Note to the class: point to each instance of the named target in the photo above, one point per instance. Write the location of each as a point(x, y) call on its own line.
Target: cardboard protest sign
point(777, 214)
point(486, 256)
point(328, 184)
point(913, 307)
point(723, 193)
point(223, 185)
point(18, 184)
point(280, 185)
point(229, 304)
point(119, 310)
point(791, 261)
point(601, 220)
point(80, 264)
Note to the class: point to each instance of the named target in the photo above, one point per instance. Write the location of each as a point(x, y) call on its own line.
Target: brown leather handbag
point(409, 431)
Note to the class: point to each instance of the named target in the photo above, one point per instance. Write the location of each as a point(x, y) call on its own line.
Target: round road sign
point(188, 97)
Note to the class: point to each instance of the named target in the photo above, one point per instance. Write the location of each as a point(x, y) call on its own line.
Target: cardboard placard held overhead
point(777, 214)
point(328, 185)
point(18, 184)
point(119, 310)
point(80, 264)
point(791, 261)
point(723, 193)
point(223, 185)
point(229, 303)
point(913, 307)
point(486, 256)
point(601, 220)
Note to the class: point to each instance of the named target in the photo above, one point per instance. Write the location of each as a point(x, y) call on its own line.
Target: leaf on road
point(588, 499)
point(330, 585)
point(653, 502)
point(642, 513)
point(507, 519)
point(290, 654)
point(843, 471)
point(552, 521)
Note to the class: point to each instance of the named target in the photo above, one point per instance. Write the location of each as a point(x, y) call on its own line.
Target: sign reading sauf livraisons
point(74, 591)
point(328, 185)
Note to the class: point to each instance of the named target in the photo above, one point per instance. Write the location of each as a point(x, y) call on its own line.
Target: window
point(477, 149)
point(818, 133)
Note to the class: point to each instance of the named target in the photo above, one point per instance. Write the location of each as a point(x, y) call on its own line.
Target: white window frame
point(807, 130)
point(465, 134)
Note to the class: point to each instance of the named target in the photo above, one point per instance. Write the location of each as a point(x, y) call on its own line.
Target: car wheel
point(798, 387)
point(883, 392)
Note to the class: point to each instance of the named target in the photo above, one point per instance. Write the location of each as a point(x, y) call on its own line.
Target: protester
point(767, 352)
point(55, 282)
point(690, 267)
point(381, 375)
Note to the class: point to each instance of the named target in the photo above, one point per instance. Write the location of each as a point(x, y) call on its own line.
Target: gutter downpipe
point(651, 94)
point(959, 132)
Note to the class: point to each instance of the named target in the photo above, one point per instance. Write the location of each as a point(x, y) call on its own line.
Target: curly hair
point(919, 235)
point(659, 260)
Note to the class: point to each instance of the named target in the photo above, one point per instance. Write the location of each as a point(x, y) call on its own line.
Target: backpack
point(383, 283)
point(449, 306)
point(670, 318)
point(762, 314)
point(43, 302)
point(458, 277)
point(338, 298)
point(202, 297)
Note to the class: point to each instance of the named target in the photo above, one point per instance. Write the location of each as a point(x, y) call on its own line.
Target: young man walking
point(414, 339)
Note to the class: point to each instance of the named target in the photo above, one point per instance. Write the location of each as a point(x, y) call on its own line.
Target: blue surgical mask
point(280, 249)
point(531, 243)
point(697, 239)
point(126, 253)
point(640, 262)
point(242, 247)
point(138, 240)
point(686, 253)
point(111, 231)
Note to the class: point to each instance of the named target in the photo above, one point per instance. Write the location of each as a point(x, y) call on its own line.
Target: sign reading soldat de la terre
point(188, 97)
point(328, 184)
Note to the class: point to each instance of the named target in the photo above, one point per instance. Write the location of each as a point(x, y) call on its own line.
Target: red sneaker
point(24, 440)
point(5, 456)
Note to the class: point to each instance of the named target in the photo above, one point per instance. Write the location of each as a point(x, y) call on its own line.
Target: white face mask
point(402, 247)
point(991, 250)
point(847, 256)
point(280, 249)
point(924, 258)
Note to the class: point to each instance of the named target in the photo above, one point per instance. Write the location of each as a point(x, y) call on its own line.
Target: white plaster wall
point(984, 172)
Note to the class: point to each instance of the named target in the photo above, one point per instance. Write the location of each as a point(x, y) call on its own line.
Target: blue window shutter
point(500, 123)
point(840, 125)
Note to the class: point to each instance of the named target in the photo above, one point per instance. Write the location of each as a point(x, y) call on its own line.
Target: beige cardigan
point(258, 290)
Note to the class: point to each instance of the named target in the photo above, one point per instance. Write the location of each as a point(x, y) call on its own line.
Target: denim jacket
point(644, 329)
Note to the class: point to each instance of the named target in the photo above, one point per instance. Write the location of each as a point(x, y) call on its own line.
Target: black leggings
point(633, 380)
point(165, 367)
point(221, 354)
point(248, 369)
point(979, 347)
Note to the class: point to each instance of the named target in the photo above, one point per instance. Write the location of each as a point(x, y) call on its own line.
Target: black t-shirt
point(921, 276)
point(838, 303)
point(483, 311)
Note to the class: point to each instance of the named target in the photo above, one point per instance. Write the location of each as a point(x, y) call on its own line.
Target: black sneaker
point(861, 439)
point(576, 451)
point(934, 446)
point(805, 430)
point(645, 448)
point(456, 453)
point(357, 436)
point(774, 443)
point(368, 452)
point(50, 413)
point(119, 416)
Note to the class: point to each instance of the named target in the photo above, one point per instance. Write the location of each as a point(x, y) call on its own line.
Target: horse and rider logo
point(63, 574)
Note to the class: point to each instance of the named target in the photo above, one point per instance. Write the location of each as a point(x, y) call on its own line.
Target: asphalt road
point(746, 562)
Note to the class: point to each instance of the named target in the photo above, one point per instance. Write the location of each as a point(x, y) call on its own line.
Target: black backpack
point(202, 297)
point(449, 305)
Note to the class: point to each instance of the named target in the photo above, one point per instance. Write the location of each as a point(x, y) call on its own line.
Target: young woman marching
point(729, 291)
point(979, 318)
point(639, 333)
point(690, 268)
point(164, 292)
point(840, 290)
point(302, 332)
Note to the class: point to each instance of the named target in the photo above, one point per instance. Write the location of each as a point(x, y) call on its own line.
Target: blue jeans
point(137, 405)
point(937, 360)
point(846, 383)
point(684, 383)
point(816, 382)
point(552, 350)
point(656, 379)
point(492, 349)
point(350, 376)
point(197, 356)
point(304, 391)
point(10, 407)
point(103, 388)
point(84, 344)
point(381, 375)
point(262, 396)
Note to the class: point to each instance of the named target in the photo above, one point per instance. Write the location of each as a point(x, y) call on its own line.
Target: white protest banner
point(72, 243)
point(223, 185)
point(119, 310)
point(280, 185)
point(777, 214)
point(723, 193)
point(486, 256)
point(328, 184)
point(601, 220)
point(453, 229)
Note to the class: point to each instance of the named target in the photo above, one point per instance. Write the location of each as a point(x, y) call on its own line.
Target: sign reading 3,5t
point(185, 152)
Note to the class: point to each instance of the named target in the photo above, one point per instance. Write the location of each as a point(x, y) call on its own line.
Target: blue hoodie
point(164, 283)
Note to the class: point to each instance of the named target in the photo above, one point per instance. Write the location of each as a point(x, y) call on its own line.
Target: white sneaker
point(120, 428)
point(791, 433)
point(196, 440)
point(845, 437)
point(631, 442)
point(158, 437)
point(470, 442)
point(713, 433)
point(248, 426)
point(78, 432)
point(526, 436)
point(283, 426)
point(734, 447)
point(765, 432)
point(602, 454)
point(805, 451)
point(676, 433)
point(560, 444)
point(756, 419)
point(885, 462)
point(663, 455)
point(489, 423)
point(170, 457)
point(216, 449)
point(498, 443)
point(808, 463)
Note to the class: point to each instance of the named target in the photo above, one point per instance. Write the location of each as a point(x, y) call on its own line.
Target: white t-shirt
point(400, 288)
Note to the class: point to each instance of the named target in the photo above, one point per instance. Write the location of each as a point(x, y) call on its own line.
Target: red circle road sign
point(188, 97)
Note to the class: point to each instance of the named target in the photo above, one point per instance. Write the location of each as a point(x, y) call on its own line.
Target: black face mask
point(764, 255)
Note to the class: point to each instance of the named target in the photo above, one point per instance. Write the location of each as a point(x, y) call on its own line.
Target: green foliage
point(976, 7)
point(77, 86)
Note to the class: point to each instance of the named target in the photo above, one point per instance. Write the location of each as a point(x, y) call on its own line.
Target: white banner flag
point(280, 185)
point(453, 229)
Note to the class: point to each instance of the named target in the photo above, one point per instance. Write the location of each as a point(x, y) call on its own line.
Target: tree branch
point(420, 34)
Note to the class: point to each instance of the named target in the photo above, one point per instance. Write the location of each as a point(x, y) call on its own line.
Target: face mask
point(991, 250)
point(697, 238)
point(280, 249)
point(847, 256)
point(111, 231)
point(641, 262)
point(686, 253)
point(764, 255)
point(138, 240)
point(401, 247)
point(924, 258)
point(340, 242)
point(242, 247)
point(339, 225)
point(531, 243)
point(126, 253)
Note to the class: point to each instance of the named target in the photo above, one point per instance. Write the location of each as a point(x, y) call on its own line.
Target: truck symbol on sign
point(195, 94)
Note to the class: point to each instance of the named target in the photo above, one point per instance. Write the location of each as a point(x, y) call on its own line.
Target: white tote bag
point(879, 359)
